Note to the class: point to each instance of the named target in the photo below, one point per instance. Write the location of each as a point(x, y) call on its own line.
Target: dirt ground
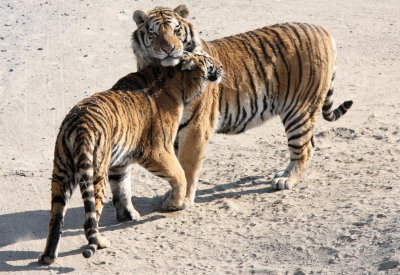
point(343, 218)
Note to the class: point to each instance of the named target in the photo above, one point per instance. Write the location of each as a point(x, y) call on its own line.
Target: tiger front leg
point(167, 167)
point(192, 147)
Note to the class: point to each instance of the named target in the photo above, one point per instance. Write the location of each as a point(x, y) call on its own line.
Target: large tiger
point(284, 70)
point(101, 137)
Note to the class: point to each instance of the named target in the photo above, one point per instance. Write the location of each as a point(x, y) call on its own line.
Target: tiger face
point(210, 67)
point(162, 35)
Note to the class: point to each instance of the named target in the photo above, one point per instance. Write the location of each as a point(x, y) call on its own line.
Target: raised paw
point(45, 259)
point(169, 204)
point(127, 214)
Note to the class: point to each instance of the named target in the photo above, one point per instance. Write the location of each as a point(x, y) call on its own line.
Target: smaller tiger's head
point(199, 61)
point(162, 35)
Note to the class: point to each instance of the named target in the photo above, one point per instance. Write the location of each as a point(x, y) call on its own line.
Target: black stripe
point(254, 102)
point(342, 109)
point(265, 106)
point(90, 223)
point(181, 126)
point(297, 147)
point(238, 105)
point(292, 109)
point(89, 206)
point(151, 116)
point(281, 43)
point(327, 107)
point(135, 37)
point(55, 231)
point(294, 122)
point(58, 199)
point(161, 122)
point(265, 31)
point(311, 78)
point(330, 93)
point(117, 177)
point(84, 166)
point(221, 92)
point(297, 136)
point(87, 194)
point(90, 232)
point(300, 66)
point(244, 116)
point(265, 56)
point(68, 154)
point(348, 104)
point(252, 54)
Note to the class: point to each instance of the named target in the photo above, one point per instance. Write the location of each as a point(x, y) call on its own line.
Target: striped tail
point(83, 160)
point(327, 111)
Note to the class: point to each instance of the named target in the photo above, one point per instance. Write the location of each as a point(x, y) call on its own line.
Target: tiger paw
point(45, 259)
point(283, 180)
point(169, 204)
point(103, 243)
point(187, 202)
point(127, 214)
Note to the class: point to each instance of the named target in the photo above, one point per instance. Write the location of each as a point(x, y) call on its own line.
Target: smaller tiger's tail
point(84, 170)
point(327, 111)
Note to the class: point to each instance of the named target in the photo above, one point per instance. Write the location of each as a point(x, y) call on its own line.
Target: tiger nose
point(168, 49)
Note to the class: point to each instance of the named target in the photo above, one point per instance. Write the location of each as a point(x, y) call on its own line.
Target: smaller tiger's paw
point(168, 203)
point(103, 243)
point(128, 214)
point(282, 183)
point(45, 259)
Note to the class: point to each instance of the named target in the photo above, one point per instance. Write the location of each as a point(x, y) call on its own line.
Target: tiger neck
point(172, 83)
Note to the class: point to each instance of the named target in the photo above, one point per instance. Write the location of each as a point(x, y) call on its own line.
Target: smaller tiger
point(103, 135)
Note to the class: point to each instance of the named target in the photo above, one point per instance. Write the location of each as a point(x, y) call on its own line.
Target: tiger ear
point(182, 10)
point(139, 17)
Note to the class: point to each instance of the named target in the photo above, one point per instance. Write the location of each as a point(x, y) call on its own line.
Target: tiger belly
point(249, 113)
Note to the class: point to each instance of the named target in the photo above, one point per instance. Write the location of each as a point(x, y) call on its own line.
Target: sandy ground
point(343, 218)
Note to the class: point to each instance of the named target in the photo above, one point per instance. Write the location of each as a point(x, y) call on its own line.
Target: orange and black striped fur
point(284, 70)
point(154, 42)
point(101, 137)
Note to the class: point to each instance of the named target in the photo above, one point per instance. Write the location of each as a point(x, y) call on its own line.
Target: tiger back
point(286, 70)
point(102, 136)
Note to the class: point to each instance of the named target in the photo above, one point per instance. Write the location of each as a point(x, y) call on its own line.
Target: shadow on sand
point(246, 186)
point(33, 225)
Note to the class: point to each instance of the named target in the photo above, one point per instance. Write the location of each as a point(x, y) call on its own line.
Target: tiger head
point(199, 69)
point(210, 68)
point(162, 35)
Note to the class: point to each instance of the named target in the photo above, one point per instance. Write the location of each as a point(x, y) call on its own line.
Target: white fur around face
point(169, 62)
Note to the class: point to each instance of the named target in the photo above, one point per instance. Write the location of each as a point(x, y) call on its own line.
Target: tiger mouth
point(170, 61)
point(170, 58)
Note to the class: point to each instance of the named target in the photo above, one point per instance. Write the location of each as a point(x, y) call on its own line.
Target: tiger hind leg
point(301, 143)
point(120, 182)
point(59, 198)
